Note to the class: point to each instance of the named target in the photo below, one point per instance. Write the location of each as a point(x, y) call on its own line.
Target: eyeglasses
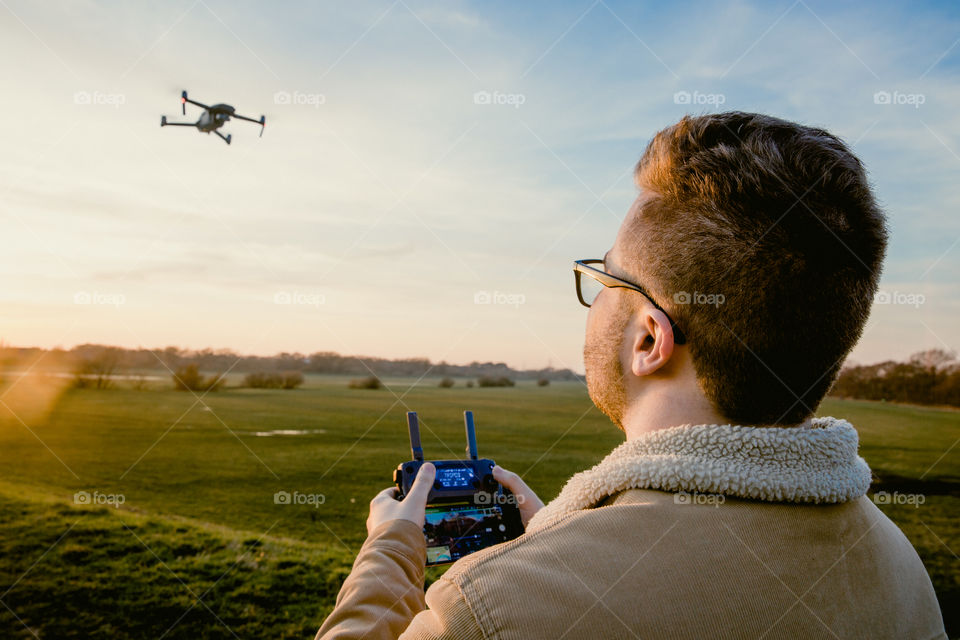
point(589, 288)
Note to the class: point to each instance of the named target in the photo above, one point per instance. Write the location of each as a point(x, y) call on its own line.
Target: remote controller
point(467, 509)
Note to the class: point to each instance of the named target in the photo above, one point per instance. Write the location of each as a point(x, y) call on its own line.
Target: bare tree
point(96, 368)
point(932, 359)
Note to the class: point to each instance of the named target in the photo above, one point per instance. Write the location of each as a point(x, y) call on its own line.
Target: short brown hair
point(775, 221)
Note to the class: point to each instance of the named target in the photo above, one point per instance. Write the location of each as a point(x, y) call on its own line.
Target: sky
point(429, 170)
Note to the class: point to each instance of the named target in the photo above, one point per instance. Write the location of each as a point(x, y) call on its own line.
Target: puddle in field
point(288, 432)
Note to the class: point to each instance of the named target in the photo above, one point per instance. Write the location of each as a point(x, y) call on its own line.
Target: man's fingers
point(527, 500)
point(512, 481)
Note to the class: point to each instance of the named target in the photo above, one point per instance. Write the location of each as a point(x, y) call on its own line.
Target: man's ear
point(651, 341)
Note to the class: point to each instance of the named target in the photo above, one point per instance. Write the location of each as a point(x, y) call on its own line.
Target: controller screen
point(455, 477)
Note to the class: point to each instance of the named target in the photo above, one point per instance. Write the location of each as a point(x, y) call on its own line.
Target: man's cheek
point(596, 311)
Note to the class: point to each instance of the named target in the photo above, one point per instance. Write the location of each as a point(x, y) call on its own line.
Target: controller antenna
point(471, 434)
point(413, 426)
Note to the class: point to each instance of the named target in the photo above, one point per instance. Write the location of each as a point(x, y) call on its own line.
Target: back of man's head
point(765, 239)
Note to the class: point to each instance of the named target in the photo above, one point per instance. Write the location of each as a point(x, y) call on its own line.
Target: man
point(739, 281)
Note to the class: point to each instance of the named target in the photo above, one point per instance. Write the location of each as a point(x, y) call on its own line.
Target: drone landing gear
point(226, 138)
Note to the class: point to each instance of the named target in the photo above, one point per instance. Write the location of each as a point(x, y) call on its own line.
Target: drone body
point(212, 118)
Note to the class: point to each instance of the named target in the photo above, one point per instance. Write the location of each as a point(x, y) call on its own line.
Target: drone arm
point(262, 121)
point(194, 102)
point(239, 117)
point(177, 124)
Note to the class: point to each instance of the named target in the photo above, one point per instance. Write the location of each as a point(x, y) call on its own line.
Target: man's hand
point(385, 506)
point(527, 500)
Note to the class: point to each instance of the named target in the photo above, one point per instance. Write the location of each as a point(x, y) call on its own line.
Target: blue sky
point(420, 157)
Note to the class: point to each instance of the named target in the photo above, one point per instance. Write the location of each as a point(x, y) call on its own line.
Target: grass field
point(198, 484)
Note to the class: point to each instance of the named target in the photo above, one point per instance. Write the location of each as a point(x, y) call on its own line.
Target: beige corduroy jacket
point(737, 532)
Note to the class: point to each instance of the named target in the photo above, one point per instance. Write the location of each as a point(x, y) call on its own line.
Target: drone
point(212, 118)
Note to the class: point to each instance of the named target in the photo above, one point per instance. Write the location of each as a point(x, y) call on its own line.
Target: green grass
point(905, 441)
point(97, 572)
point(209, 465)
point(181, 466)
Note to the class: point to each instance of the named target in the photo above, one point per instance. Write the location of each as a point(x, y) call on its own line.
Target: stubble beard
point(601, 361)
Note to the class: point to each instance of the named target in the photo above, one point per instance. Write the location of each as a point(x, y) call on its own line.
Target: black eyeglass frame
point(582, 267)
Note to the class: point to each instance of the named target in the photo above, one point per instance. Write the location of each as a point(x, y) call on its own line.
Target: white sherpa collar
point(814, 462)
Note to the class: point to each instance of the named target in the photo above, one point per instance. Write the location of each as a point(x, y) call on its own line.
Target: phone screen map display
point(458, 529)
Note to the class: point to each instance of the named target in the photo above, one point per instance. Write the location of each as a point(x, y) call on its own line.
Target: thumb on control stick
point(422, 485)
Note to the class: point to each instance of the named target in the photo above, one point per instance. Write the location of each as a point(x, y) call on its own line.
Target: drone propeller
point(263, 123)
point(183, 102)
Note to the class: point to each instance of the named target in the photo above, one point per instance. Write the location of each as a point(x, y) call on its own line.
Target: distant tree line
point(107, 360)
point(373, 382)
point(927, 377)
